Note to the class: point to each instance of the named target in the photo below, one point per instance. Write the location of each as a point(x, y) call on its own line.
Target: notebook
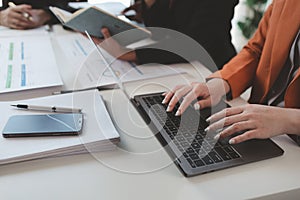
point(92, 19)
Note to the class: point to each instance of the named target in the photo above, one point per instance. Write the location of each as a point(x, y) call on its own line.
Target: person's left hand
point(258, 121)
point(115, 49)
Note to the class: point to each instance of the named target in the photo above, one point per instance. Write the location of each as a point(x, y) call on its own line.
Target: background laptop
point(192, 149)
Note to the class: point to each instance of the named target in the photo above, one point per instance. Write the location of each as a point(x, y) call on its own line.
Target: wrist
point(220, 84)
point(129, 56)
point(293, 118)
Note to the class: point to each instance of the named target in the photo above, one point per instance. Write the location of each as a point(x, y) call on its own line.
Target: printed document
point(27, 63)
point(8, 32)
point(75, 47)
point(94, 73)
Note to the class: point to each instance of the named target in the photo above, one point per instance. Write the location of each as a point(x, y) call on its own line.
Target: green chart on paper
point(23, 66)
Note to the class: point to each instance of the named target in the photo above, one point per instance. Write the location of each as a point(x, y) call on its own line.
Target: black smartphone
point(43, 125)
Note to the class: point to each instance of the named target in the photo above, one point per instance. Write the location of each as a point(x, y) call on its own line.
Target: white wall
point(241, 11)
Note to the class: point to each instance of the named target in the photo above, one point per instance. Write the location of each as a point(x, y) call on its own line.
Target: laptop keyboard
point(187, 133)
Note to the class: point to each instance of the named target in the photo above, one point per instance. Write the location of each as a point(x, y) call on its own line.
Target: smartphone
point(43, 125)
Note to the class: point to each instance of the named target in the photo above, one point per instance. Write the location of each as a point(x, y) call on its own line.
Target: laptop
point(193, 150)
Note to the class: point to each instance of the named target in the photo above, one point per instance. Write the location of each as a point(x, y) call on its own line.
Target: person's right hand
point(38, 18)
point(115, 49)
point(137, 7)
point(13, 17)
point(210, 94)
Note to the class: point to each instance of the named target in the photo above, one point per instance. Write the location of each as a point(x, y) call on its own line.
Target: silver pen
point(48, 108)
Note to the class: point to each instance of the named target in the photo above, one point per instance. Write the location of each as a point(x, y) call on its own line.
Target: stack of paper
point(98, 134)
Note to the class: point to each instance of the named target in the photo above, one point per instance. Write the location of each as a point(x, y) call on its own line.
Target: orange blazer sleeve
point(240, 71)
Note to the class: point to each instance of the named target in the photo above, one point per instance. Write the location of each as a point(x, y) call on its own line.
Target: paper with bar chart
point(27, 63)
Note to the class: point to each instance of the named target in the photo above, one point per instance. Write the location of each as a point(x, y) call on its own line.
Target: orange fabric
point(261, 60)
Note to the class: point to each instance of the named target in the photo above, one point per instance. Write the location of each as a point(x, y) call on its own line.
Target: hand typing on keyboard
point(210, 94)
point(254, 121)
point(187, 133)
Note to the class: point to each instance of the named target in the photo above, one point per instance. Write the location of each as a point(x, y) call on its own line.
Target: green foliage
point(250, 23)
point(252, 3)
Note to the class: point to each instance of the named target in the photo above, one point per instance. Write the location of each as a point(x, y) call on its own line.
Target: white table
point(140, 168)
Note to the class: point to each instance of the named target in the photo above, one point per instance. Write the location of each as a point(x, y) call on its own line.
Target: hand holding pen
point(25, 14)
point(23, 17)
point(14, 17)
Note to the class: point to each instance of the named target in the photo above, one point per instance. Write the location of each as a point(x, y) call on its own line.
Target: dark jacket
point(206, 21)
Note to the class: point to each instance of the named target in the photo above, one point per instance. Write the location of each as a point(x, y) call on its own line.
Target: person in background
point(208, 22)
point(269, 64)
point(28, 14)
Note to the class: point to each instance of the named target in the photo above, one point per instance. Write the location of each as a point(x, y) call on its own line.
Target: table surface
point(140, 168)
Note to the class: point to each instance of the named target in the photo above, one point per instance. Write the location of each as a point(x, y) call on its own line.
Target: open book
point(92, 19)
point(98, 134)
